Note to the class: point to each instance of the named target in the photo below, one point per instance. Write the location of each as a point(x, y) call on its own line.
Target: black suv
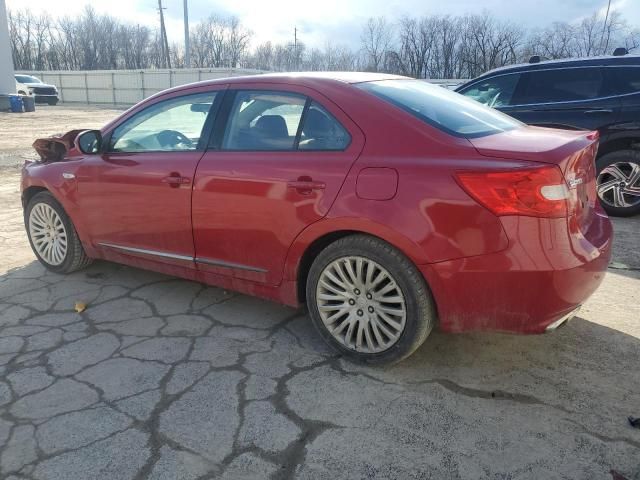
point(600, 93)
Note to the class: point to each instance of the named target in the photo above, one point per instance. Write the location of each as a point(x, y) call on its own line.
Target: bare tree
point(421, 47)
point(376, 41)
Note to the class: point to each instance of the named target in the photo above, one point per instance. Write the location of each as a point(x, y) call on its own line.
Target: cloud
point(335, 21)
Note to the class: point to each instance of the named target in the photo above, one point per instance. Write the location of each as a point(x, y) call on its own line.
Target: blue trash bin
point(16, 103)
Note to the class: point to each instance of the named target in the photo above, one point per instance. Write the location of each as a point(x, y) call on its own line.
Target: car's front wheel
point(369, 301)
point(618, 182)
point(52, 236)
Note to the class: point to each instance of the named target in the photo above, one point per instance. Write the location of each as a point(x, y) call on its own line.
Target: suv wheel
point(618, 182)
point(368, 301)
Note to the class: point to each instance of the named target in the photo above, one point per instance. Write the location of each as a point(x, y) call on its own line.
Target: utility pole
point(164, 44)
point(295, 48)
point(7, 82)
point(187, 46)
point(604, 27)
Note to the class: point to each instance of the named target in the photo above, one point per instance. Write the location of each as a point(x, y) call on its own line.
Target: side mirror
point(90, 142)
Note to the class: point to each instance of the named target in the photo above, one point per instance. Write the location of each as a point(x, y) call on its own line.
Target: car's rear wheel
point(368, 300)
point(618, 182)
point(52, 236)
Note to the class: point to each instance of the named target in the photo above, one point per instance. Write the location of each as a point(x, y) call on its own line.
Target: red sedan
point(385, 204)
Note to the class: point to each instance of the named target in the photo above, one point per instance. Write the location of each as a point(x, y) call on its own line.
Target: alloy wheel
point(619, 184)
point(48, 234)
point(361, 304)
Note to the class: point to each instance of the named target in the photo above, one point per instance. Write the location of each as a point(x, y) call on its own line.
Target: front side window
point(495, 91)
point(445, 110)
point(171, 125)
point(560, 85)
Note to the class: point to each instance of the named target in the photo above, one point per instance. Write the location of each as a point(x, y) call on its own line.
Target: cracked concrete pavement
point(162, 378)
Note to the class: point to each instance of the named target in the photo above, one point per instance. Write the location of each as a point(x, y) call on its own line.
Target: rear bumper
point(549, 269)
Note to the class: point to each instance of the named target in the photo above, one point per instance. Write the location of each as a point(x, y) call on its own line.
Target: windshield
point(27, 79)
point(446, 110)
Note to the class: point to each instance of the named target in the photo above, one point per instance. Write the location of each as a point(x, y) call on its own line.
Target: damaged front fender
point(57, 147)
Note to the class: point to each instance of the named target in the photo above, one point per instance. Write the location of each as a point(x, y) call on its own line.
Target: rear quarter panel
point(430, 218)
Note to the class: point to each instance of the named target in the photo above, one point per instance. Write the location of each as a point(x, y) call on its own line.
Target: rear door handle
point(175, 180)
point(306, 185)
point(599, 110)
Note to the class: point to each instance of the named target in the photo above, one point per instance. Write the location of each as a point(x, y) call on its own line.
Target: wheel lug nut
point(352, 301)
point(370, 309)
point(360, 312)
point(369, 296)
point(356, 291)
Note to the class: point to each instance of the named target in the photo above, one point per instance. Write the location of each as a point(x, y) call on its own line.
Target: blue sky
point(337, 21)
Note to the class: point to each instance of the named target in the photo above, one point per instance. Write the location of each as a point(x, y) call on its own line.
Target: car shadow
point(580, 356)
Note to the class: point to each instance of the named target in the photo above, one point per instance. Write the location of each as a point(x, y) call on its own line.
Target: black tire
point(75, 257)
point(52, 102)
point(624, 158)
point(420, 309)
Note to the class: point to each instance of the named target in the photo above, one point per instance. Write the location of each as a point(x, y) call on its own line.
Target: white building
point(7, 82)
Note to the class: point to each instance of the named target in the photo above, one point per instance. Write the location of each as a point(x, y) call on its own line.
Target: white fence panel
point(127, 87)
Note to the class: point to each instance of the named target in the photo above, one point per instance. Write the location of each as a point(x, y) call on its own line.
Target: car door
point(278, 158)
point(137, 192)
point(625, 82)
point(564, 97)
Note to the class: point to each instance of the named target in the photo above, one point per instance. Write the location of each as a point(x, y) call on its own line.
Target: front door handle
point(175, 180)
point(598, 110)
point(305, 185)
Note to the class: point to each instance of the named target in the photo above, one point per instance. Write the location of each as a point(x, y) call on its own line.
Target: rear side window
point(263, 121)
point(320, 131)
point(445, 110)
point(626, 79)
point(271, 121)
point(561, 85)
point(495, 91)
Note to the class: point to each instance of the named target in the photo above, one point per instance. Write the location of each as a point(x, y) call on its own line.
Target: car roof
point(560, 63)
point(300, 78)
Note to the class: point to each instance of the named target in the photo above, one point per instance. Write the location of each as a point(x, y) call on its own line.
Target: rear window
point(445, 110)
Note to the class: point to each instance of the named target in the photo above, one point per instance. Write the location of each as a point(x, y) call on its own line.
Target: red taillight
point(534, 192)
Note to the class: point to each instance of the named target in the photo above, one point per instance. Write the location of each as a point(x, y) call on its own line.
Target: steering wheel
point(494, 99)
point(174, 139)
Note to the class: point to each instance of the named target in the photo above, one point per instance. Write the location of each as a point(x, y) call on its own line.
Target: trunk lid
point(574, 152)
